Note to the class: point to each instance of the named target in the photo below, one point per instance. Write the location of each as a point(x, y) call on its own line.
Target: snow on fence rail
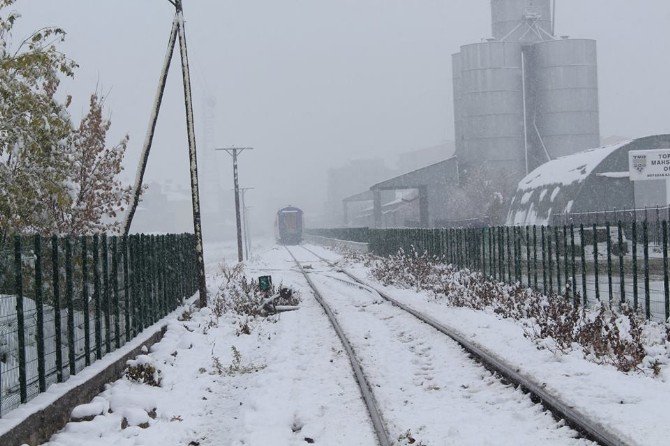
point(66, 302)
point(607, 262)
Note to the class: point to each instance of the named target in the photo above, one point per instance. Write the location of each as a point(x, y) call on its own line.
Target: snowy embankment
point(631, 403)
point(287, 382)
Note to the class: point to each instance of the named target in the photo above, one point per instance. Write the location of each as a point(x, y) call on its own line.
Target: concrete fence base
point(38, 427)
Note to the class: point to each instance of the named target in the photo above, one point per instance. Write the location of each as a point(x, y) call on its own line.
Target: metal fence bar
point(106, 301)
point(557, 241)
point(55, 286)
point(85, 297)
point(96, 296)
point(69, 297)
point(635, 291)
point(39, 309)
point(622, 286)
point(49, 287)
point(609, 263)
point(544, 263)
point(20, 322)
point(666, 289)
point(595, 260)
point(645, 241)
point(115, 290)
point(574, 267)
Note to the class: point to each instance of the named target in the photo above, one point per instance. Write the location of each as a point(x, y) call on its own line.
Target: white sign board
point(649, 164)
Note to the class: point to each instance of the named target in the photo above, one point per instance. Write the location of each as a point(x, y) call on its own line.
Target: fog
point(313, 84)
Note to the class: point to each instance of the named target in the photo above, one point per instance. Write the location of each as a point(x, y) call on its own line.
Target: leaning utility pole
point(234, 152)
point(192, 156)
point(178, 30)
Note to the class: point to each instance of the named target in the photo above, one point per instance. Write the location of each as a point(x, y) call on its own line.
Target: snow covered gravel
point(425, 382)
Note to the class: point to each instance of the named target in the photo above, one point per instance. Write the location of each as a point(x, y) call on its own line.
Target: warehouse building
point(587, 182)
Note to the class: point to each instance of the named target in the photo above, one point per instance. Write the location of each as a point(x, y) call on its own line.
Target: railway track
point(580, 422)
point(362, 381)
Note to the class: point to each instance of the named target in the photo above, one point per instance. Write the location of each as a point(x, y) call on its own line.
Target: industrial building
point(526, 121)
point(586, 183)
point(524, 96)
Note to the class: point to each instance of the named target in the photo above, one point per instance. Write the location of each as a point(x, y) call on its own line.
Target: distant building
point(347, 180)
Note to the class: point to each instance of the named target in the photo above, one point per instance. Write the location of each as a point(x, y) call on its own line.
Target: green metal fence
point(605, 262)
point(65, 302)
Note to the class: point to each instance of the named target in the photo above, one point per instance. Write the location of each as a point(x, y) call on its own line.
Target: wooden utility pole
point(234, 152)
point(178, 30)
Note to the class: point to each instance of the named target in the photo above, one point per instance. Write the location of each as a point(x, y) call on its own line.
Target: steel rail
point(575, 418)
point(378, 424)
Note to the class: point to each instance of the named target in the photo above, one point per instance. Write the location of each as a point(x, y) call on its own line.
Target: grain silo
point(525, 96)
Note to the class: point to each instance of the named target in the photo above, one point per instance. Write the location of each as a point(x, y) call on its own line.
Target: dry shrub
point(142, 371)
point(243, 297)
point(615, 336)
point(236, 367)
point(405, 269)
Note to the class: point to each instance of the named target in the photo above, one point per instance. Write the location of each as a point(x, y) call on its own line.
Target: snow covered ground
point(290, 383)
point(630, 404)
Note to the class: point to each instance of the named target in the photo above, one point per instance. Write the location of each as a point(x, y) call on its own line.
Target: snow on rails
point(451, 391)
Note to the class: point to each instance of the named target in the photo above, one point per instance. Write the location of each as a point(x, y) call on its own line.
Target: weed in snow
point(616, 336)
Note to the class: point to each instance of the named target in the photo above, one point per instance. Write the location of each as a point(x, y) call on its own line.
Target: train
point(289, 225)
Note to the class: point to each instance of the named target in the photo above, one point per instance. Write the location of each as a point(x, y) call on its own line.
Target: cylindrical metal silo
point(458, 101)
point(509, 14)
point(492, 107)
point(566, 89)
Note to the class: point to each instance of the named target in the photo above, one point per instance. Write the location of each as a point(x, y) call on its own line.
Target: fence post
point(85, 291)
point(622, 287)
point(126, 286)
point(527, 234)
point(517, 253)
point(574, 267)
point(550, 261)
point(144, 281)
point(483, 251)
point(647, 298)
point(115, 290)
point(20, 323)
point(106, 294)
point(69, 296)
point(665, 270)
point(583, 249)
point(96, 296)
point(635, 290)
point(557, 241)
point(609, 262)
point(55, 286)
point(535, 257)
point(501, 252)
point(544, 263)
point(566, 263)
point(595, 261)
point(509, 255)
point(39, 309)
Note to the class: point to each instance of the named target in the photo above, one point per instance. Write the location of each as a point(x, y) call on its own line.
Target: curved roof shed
point(593, 180)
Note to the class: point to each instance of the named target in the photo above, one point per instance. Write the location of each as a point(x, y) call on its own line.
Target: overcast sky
point(313, 83)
